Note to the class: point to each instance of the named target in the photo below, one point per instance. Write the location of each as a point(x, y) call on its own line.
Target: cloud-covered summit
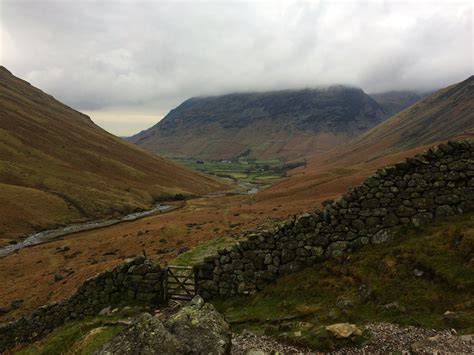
point(129, 62)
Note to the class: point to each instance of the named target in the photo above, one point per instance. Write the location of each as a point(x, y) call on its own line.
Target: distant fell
point(57, 166)
point(281, 124)
point(392, 102)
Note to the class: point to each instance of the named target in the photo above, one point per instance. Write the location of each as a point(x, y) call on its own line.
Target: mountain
point(392, 102)
point(57, 166)
point(281, 124)
point(447, 114)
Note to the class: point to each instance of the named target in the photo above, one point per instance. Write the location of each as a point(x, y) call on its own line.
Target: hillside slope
point(57, 166)
point(392, 102)
point(448, 114)
point(282, 124)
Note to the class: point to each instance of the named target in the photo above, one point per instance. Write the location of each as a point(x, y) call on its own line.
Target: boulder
point(201, 328)
point(343, 330)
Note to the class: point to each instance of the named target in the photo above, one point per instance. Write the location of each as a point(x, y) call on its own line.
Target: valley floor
point(49, 272)
point(44, 273)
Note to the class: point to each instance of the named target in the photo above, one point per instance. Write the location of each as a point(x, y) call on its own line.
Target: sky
point(128, 63)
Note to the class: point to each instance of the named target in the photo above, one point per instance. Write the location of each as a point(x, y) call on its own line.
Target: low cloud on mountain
point(129, 62)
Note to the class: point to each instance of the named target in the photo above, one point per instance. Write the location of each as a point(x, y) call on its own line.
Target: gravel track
point(386, 338)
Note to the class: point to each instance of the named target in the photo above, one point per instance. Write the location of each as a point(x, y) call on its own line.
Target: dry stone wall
point(137, 280)
point(437, 183)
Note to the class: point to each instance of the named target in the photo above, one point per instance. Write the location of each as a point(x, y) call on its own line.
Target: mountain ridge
point(283, 124)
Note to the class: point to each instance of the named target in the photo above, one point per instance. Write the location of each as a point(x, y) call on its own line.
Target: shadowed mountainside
point(281, 124)
point(57, 166)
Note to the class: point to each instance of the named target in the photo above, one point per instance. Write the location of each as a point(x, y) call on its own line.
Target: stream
point(51, 234)
point(251, 189)
point(247, 188)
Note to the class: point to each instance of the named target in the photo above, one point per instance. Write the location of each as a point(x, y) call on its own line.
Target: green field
point(262, 172)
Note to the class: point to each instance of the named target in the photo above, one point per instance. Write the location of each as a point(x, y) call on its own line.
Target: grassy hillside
point(428, 272)
point(57, 166)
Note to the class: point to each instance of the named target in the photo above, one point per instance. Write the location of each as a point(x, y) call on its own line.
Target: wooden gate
point(180, 283)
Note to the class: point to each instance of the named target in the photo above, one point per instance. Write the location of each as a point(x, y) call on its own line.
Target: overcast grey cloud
point(129, 62)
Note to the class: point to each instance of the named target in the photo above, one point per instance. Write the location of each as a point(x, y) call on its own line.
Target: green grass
point(254, 171)
point(202, 250)
point(309, 300)
point(98, 339)
point(78, 337)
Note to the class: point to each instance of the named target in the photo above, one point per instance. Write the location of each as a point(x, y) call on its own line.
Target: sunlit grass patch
point(202, 250)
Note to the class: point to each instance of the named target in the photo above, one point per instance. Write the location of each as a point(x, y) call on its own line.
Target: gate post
point(165, 285)
point(196, 281)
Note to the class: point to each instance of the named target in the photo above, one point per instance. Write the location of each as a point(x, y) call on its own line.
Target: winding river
point(51, 234)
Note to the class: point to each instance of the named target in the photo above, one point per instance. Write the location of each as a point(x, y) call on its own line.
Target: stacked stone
point(437, 183)
point(136, 280)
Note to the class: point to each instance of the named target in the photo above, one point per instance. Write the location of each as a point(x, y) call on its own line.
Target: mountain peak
point(4, 70)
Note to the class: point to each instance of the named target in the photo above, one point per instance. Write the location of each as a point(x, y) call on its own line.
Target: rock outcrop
point(196, 329)
point(201, 328)
point(147, 335)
